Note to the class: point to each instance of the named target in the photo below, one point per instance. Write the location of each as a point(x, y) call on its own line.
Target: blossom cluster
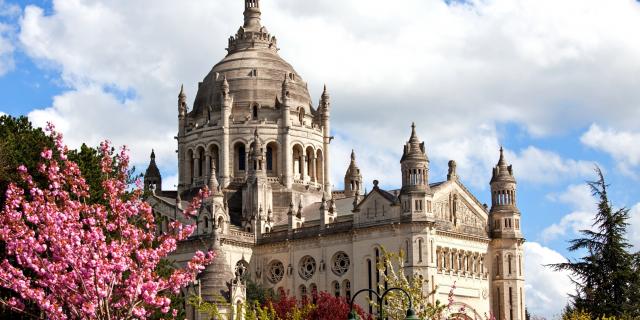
point(78, 260)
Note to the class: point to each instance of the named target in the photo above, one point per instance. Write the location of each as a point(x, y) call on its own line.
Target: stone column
point(207, 166)
point(196, 165)
point(312, 174)
point(303, 162)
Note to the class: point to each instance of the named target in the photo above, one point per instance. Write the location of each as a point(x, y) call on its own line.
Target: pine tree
point(605, 277)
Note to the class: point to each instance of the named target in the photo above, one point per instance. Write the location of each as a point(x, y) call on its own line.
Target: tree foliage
point(74, 259)
point(392, 274)
point(606, 278)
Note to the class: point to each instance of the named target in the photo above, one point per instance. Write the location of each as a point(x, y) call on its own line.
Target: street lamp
point(411, 315)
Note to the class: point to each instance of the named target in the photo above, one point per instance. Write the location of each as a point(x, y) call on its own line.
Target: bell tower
point(506, 245)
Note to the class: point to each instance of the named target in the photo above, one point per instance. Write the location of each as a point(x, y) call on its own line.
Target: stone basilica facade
point(254, 136)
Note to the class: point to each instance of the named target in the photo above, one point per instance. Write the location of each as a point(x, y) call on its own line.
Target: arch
point(346, 287)
point(302, 289)
point(254, 111)
point(272, 159)
point(335, 285)
point(310, 158)
point(313, 288)
point(420, 243)
point(220, 221)
point(240, 157)
point(298, 161)
point(200, 155)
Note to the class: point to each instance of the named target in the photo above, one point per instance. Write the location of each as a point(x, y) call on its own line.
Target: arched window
point(254, 112)
point(242, 157)
point(509, 263)
point(346, 284)
point(314, 292)
point(269, 158)
point(303, 293)
point(336, 288)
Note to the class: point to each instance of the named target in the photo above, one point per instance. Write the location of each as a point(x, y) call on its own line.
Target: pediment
point(454, 206)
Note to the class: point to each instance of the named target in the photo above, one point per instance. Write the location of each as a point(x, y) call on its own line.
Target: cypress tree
point(606, 279)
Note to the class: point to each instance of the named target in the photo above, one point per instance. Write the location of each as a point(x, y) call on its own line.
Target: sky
point(554, 82)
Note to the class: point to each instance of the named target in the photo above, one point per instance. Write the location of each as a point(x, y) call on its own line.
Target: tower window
point(269, 158)
point(242, 158)
point(254, 112)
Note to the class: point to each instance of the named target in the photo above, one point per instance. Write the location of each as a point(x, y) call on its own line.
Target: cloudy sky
point(555, 82)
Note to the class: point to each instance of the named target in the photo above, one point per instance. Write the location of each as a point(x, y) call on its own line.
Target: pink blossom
point(78, 260)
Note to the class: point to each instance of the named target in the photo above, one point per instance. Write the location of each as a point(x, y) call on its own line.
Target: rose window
point(276, 271)
point(307, 267)
point(340, 263)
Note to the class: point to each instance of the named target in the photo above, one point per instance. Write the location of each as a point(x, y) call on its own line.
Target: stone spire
point(325, 99)
point(352, 178)
point(152, 177)
point(252, 15)
point(503, 172)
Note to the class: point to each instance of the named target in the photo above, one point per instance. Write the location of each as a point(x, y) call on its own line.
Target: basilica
point(256, 139)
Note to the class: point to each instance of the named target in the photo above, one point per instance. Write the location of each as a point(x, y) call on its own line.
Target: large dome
point(255, 72)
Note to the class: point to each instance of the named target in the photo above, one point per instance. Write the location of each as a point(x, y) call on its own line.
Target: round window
point(276, 271)
point(307, 267)
point(340, 263)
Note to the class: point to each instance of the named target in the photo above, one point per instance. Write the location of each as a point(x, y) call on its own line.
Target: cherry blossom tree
point(73, 259)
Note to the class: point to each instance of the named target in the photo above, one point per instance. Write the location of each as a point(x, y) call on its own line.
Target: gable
point(376, 206)
point(455, 207)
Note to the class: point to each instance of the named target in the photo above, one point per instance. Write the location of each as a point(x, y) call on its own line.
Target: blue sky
point(555, 83)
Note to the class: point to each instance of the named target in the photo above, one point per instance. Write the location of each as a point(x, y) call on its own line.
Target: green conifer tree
point(605, 278)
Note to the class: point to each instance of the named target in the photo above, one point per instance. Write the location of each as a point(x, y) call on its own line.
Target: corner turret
point(507, 244)
point(352, 178)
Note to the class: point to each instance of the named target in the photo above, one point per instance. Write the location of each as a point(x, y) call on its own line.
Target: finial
point(255, 133)
point(452, 170)
point(153, 155)
point(501, 161)
point(375, 184)
point(213, 180)
point(182, 94)
point(353, 155)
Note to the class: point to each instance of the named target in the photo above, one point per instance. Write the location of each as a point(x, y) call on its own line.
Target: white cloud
point(634, 226)
point(6, 49)
point(457, 71)
point(7, 46)
point(547, 291)
point(623, 146)
point(542, 166)
point(583, 207)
